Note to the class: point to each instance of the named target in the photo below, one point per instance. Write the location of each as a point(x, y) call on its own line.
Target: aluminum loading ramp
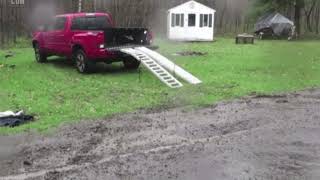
point(154, 67)
point(161, 67)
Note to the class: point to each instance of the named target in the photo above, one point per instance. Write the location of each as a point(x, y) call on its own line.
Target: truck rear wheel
point(82, 63)
point(40, 57)
point(131, 63)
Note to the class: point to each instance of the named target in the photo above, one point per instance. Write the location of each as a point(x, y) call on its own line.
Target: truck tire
point(131, 63)
point(81, 61)
point(40, 57)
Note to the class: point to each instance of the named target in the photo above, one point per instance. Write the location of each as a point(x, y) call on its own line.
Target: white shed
point(191, 21)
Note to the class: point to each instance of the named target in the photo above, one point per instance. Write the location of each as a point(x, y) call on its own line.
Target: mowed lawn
point(56, 93)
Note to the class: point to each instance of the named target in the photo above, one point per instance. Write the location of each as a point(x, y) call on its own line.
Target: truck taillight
point(101, 46)
point(150, 37)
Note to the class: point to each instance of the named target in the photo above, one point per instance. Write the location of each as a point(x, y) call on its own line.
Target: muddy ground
point(258, 137)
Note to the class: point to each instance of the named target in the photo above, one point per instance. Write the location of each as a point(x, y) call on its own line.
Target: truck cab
point(87, 38)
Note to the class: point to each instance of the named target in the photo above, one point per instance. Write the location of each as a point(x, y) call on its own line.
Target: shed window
point(177, 20)
point(205, 20)
point(191, 20)
point(182, 20)
point(173, 20)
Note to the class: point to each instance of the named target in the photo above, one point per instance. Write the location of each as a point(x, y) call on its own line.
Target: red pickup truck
point(87, 38)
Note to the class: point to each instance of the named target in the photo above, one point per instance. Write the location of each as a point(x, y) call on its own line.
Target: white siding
point(187, 33)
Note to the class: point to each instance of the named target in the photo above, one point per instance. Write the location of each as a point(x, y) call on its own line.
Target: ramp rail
point(161, 67)
point(154, 67)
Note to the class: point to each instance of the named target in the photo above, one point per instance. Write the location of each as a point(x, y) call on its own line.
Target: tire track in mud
point(168, 148)
point(260, 136)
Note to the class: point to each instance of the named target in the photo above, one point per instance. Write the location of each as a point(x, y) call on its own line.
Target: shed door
point(191, 26)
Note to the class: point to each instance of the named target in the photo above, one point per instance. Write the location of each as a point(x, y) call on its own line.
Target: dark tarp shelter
point(275, 23)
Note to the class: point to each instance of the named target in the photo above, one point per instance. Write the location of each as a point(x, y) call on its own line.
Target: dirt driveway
point(258, 137)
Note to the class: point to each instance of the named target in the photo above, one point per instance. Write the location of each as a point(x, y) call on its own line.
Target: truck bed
point(116, 38)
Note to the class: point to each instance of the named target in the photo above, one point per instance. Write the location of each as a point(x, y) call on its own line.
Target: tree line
point(230, 17)
point(233, 16)
point(127, 13)
point(20, 20)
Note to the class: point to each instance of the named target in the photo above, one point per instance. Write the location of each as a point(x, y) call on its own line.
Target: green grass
point(21, 42)
point(57, 94)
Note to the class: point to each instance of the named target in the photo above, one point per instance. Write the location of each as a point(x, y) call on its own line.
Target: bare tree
point(80, 6)
point(308, 10)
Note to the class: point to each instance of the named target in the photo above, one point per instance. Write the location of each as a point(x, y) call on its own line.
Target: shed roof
point(192, 3)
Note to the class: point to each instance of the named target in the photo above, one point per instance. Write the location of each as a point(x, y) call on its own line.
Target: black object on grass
point(191, 53)
point(8, 55)
point(13, 121)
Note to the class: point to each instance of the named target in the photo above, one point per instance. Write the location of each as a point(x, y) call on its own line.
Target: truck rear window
point(90, 23)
